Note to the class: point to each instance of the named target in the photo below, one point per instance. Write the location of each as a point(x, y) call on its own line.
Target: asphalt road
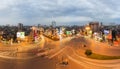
point(60, 51)
point(33, 63)
point(38, 62)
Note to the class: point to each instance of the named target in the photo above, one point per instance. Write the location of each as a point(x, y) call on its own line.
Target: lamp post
point(60, 36)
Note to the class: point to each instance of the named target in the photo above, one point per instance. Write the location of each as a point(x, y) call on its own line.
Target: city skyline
point(64, 12)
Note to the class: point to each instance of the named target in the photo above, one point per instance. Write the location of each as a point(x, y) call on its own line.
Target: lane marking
point(57, 53)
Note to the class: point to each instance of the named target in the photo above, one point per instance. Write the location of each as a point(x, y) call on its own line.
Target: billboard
point(106, 32)
point(21, 34)
point(68, 32)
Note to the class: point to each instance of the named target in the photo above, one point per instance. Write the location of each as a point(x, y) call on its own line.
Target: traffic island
point(102, 57)
point(92, 55)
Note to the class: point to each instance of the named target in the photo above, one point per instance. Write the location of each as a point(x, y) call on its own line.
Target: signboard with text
point(68, 32)
point(21, 34)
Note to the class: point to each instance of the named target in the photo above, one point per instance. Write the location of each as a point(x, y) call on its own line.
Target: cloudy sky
point(64, 12)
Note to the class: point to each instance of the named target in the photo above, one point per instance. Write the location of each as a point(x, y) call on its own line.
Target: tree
point(88, 52)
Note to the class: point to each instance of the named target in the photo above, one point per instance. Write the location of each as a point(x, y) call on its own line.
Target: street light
point(87, 28)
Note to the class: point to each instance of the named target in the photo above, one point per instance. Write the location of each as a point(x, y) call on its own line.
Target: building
point(20, 26)
point(53, 24)
point(39, 25)
point(94, 26)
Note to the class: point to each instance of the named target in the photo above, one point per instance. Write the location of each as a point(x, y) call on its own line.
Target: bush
point(88, 52)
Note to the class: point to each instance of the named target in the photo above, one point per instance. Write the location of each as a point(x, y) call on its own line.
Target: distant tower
point(53, 24)
point(101, 24)
point(20, 26)
point(39, 25)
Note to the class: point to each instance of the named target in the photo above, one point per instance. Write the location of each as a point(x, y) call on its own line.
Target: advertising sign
point(18, 34)
point(21, 34)
point(106, 31)
point(68, 32)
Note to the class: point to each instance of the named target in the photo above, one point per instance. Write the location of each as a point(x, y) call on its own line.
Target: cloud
point(65, 19)
point(63, 11)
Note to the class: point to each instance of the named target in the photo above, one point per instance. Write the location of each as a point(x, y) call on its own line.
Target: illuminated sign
point(21, 34)
point(106, 31)
point(68, 32)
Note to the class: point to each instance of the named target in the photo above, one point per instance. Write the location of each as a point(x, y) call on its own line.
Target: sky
point(64, 12)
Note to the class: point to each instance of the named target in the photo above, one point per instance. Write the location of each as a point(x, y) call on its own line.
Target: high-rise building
point(20, 26)
point(39, 25)
point(94, 26)
point(53, 24)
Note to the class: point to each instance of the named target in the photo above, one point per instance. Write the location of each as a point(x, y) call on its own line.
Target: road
point(103, 48)
point(83, 62)
point(55, 52)
point(37, 62)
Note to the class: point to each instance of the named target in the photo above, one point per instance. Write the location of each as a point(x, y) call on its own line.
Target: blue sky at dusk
point(64, 12)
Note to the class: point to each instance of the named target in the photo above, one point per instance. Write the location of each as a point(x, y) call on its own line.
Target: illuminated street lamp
point(87, 28)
